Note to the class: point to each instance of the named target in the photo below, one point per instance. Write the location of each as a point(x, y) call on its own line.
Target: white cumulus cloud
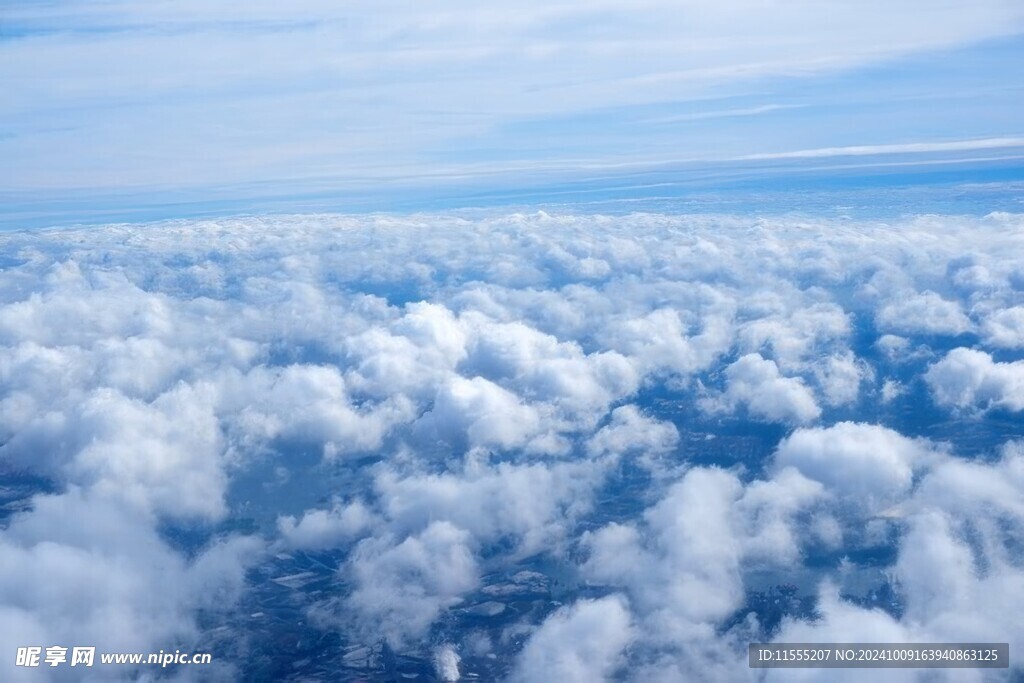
point(970, 379)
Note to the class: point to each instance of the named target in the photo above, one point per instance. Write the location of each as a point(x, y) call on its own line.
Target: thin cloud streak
point(904, 148)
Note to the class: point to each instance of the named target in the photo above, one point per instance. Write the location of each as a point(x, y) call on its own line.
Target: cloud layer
point(533, 443)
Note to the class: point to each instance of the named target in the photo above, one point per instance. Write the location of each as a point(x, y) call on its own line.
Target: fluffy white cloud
point(971, 379)
point(767, 517)
point(1005, 328)
point(660, 341)
point(958, 570)
point(923, 313)
point(756, 384)
point(402, 586)
point(791, 336)
point(580, 643)
point(958, 562)
point(682, 567)
point(539, 365)
point(446, 663)
point(868, 465)
point(630, 431)
point(163, 455)
point(688, 564)
point(319, 529)
point(959, 484)
point(893, 346)
point(487, 414)
point(307, 404)
point(81, 569)
point(891, 389)
point(688, 570)
point(840, 377)
point(530, 503)
point(842, 622)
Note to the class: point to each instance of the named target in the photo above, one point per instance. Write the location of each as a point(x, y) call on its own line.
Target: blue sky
point(164, 108)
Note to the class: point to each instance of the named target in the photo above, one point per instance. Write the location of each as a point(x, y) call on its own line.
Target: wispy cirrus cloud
point(170, 96)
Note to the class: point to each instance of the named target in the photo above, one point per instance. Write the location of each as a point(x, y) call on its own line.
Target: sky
point(193, 106)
